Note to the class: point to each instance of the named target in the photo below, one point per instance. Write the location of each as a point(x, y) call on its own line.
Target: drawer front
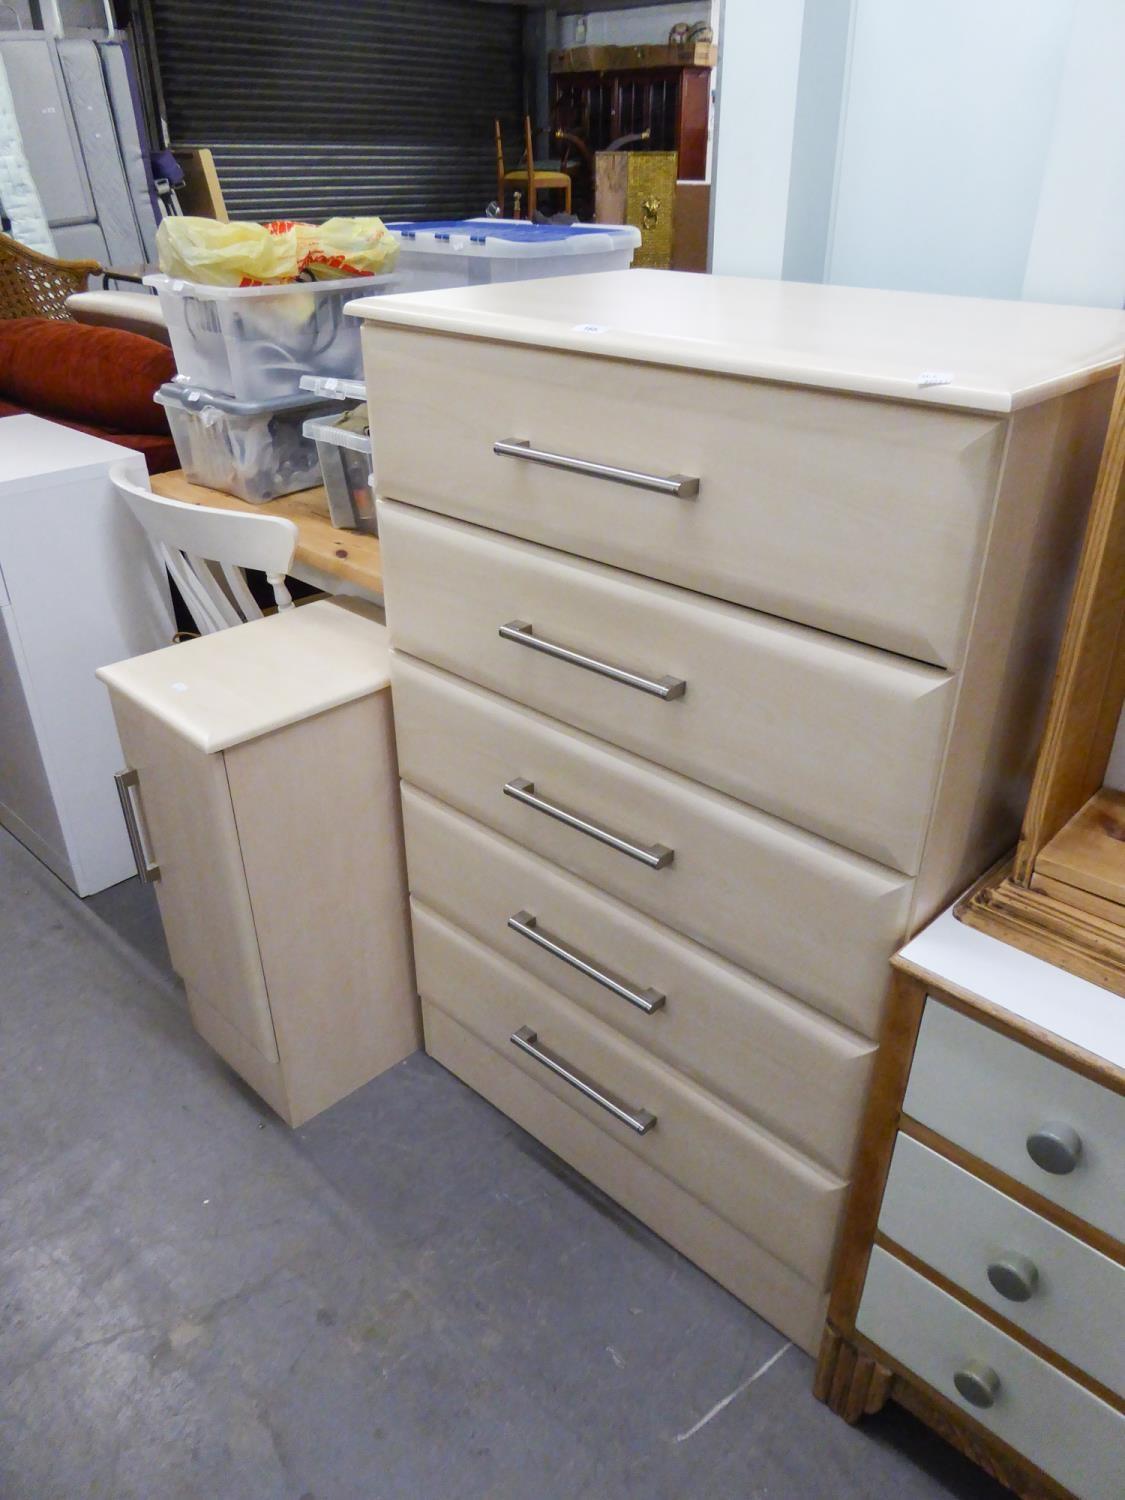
point(990, 1095)
point(742, 1039)
point(803, 914)
point(783, 1298)
point(837, 738)
point(783, 1201)
point(865, 518)
point(1073, 1298)
point(1044, 1415)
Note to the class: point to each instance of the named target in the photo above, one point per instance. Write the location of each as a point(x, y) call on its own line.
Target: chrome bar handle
point(127, 782)
point(522, 632)
point(655, 856)
point(527, 926)
point(682, 486)
point(527, 1041)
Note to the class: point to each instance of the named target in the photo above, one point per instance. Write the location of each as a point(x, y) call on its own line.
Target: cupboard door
point(184, 809)
point(27, 804)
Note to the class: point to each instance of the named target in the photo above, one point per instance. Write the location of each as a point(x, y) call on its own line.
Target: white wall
point(946, 129)
point(950, 146)
point(1078, 247)
point(759, 66)
point(646, 23)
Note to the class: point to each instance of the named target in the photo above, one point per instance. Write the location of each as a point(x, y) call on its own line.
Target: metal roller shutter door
point(313, 109)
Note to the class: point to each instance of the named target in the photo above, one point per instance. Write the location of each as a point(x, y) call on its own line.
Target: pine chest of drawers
point(981, 1281)
point(720, 632)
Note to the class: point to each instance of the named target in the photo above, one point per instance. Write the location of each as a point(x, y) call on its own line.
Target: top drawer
point(862, 517)
point(992, 1096)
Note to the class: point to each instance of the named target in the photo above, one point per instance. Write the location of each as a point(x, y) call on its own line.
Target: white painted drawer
point(739, 1037)
point(786, 1203)
point(1050, 1419)
point(988, 1094)
point(862, 517)
point(818, 922)
point(837, 738)
point(961, 1226)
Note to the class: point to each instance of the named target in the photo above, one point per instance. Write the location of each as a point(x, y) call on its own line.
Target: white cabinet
point(262, 790)
point(79, 587)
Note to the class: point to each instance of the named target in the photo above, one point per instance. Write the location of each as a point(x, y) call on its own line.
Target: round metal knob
point(978, 1383)
point(1055, 1147)
point(1014, 1276)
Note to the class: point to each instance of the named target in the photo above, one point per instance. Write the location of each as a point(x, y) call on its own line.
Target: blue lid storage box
point(471, 252)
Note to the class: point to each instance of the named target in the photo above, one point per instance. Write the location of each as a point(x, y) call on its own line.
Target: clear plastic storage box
point(343, 445)
point(469, 252)
point(254, 449)
point(255, 342)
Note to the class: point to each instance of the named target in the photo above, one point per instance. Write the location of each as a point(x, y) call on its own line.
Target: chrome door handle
point(127, 782)
point(682, 486)
point(655, 856)
point(527, 926)
point(528, 1041)
point(522, 632)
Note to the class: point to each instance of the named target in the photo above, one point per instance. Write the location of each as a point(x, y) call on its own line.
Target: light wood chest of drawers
point(720, 643)
point(982, 1277)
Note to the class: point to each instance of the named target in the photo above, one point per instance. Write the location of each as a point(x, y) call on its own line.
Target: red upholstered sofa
point(100, 380)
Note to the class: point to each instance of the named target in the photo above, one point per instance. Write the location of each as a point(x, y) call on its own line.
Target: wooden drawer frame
point(855, 1377)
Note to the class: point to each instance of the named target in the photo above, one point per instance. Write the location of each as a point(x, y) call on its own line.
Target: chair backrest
point(37, 286)
point(529, 148)
point(207, 550)
point(499, 163)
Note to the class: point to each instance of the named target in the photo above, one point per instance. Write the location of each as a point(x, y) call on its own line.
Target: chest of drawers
point(982, 1276)
point(719, 640)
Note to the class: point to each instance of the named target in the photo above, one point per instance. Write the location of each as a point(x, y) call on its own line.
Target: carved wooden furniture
point(607, 92)
point(717, 633)
point(1063, 897)
point(981, 1280)
point(528, 180)
point(33, 285)
point(261, 798)
point(639, 188)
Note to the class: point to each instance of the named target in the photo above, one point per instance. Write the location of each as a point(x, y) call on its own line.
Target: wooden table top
point(352, 556)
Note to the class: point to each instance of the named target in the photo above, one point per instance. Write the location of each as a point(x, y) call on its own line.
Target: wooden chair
point(37, 286)
point(528, 180)
point(206, 552)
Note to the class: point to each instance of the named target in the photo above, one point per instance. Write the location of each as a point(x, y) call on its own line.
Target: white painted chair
point(206, 551)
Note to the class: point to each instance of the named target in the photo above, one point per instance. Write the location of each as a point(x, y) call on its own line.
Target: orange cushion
point(101, 377)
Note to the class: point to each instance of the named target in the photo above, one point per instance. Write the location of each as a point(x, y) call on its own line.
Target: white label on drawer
point(590, 328)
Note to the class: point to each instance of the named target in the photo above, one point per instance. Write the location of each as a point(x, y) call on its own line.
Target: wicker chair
point(37, 286)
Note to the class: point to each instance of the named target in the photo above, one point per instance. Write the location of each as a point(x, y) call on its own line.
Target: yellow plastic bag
point(349, 247)
point(215, 254)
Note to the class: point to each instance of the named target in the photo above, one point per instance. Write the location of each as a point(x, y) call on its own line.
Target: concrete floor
point(406, 1298)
